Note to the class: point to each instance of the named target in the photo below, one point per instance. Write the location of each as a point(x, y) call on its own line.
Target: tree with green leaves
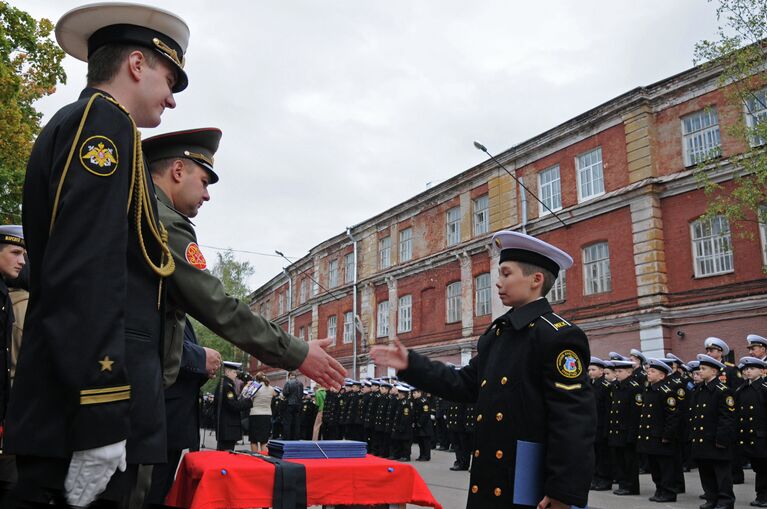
point(739, 51)
point(30, 68)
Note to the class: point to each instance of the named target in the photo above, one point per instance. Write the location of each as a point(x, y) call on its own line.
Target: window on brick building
point(481, 217)
point(591, 182)
point(302, 292)
point(348, 327)
point(281, 304)
point(406, 245)
point(596, 269)
point(382, 321)
point(405, 314)
point(711, 246)
point(333, 273)
point(262, 309)
point(332, 329)
point(301, 333)
point(482, 294)
point(454, 226)
point(756, 113)
point(454, 302)
point(349, 268)
point(558, 292)
point(315, 287)
point(763, 231)
point(269, 309)
point(550, 190)
point(701, 136)
point(384, 253)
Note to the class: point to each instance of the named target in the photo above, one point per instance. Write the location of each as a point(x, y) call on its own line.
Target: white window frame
point(756, 113)
point(481, 215)
point(763, 232)
point(349, 268)
point(333, 273)
point(453, 226)
point(711, 247)
point(453, 302)
point(596, 269)
point(332, 328)
point(269, 309)
point(483, 291)
point(348, 327)
point(281, 303)
point(406, 245)
point(384, 252)
point(382, 320)
point(700, 136)
point(405, 314)
point(558, 292)
point(302, 291)
point(593, 171)
point(315, 287)
point(301, 333)
point(550, 190)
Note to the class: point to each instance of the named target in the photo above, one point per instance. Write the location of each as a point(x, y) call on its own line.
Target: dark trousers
point(737, 465)
point(716, 480)
point(760, 485)
point(400, 448)
point(603, 475)
point(162, 478)
point(462, 446)
point(226, 445)
point(678, 459)
point(662, 472)
point(383, 441)
point(292, 422)
point(424, 448)
point(441, 433)
point(626, 467)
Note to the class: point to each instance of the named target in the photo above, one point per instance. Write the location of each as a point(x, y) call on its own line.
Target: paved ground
point(450, 488)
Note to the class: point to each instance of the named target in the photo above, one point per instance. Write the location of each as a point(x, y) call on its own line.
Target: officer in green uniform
point(181, 164)
point(535, 412)
point(88, 397)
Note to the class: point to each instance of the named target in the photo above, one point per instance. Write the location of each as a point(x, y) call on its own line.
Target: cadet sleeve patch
point(195, 257)
point(730, 402)
point(568, 364)
point(680, 392)
point(98, 155)
point(638, 399)
point(426, 408)
point(230, 395)
point(671, 402)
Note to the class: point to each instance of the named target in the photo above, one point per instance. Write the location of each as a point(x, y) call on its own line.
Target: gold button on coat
point(504, 380)
point(484, 382)
point(479, 418)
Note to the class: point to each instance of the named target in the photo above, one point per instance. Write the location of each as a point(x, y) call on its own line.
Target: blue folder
point(528, 473)
point(292, 449)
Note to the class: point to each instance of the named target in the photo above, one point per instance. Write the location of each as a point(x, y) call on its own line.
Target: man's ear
point(136, 64)
point(177, 170)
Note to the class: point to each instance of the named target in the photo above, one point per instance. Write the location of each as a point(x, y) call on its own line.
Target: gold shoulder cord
point(138, 192)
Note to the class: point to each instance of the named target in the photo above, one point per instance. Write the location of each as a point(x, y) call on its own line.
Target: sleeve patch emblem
point(638, 398)
point(730, 401)
point(98, 155)
point(671, 402)
point(195, 257)
point(680, 392)
point(230, 395)
point(568, 364)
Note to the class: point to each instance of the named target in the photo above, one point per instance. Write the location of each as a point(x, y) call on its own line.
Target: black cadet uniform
point(424, 427)
point(622, 423)
point(603, 476)
point(229, 419)
point(751, 401)
point(456, 424)
point(529, 384)
point(402, 429)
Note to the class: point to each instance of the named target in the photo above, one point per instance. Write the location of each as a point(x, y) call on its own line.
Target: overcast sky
point(334, 111)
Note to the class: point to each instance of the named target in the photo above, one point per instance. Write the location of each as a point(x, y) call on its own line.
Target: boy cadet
point(424, 426)
point(729, 374)
point(751, 401)
point(603, 476)
point(181, 164)
point(713, 433)
point(757, 346)
point(530, 386)
point(89, 376)
point(229, 408)
point(659, 429)
point(622, 423)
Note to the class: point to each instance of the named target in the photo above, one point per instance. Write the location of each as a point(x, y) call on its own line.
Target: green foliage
point(740, 51)
point(30, 68)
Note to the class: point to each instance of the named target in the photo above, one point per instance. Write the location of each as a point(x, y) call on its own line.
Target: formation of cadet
point(707, 413)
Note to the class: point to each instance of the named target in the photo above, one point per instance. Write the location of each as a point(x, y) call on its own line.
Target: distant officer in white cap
point(97, 258)
point(751, 401)
point(757, 346)
point(548, 407)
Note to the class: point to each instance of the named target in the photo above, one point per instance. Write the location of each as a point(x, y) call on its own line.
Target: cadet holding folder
point(535, 413)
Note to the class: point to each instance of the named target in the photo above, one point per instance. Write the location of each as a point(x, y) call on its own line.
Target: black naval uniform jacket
point(89, 372)
point(713, 421)
point(228, 408)
point(529, 383)
point(601, 388)
point(402, 427)
point(751, 401)
point(423, 413)
point(623, 416)
point(658, 420)
point(6, 332)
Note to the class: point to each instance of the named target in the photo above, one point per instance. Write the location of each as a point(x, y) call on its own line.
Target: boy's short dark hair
point(528, 269)
point(105, 62)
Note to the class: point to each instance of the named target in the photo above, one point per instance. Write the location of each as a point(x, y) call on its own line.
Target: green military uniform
point(194, 290)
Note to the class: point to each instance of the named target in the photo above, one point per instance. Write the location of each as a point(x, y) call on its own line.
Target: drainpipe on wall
point(524, 207)
point(290, 301)
point(354, 304)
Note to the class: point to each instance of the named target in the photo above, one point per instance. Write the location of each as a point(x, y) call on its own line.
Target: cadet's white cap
point(519, 247)
point(718, 343)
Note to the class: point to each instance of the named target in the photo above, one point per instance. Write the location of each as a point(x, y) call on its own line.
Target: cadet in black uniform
point(424, 424)
point(97, 260)
point(659, 429)
point(757, 346)
point(713, 434)
point(677, 380)
point(639, 359)
point(402, 425)
point(228, 409)
point(330, 415)
point(751, 401)
point(603, 476)
point(371, 407)
point(622, 423)
point(530, 387)
point(381, 437)
point(391, 415)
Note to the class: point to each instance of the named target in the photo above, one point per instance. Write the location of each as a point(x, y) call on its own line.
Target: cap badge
point(568, 364)
point(195, 257)
point(98, 155)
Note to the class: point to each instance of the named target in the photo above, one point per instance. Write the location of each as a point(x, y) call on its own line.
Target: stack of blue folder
point(309, 449)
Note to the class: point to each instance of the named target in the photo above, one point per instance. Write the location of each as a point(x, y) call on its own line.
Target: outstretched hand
point(321, 367)
point(550, 503)
point(393, 355)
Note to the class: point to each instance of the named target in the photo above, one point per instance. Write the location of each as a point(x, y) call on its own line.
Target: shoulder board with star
point(555, 321)
point(115, 103)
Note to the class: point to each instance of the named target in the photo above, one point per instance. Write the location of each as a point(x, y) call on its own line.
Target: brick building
point(648, 271)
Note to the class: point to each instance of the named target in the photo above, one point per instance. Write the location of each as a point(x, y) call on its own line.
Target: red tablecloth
point(214, 480)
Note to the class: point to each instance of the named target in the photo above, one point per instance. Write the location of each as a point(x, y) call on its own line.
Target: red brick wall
point(480, 264)
point(337, 308)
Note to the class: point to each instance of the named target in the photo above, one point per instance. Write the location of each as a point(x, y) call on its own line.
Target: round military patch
point(730, 401)
point(680, 392)
point(98, 155)
point(638, 398)
point(671, 402)
point(195, 257)
point(426, 408)
point(568, 364)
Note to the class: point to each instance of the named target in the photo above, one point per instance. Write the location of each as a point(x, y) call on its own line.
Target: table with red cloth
point(214, 480)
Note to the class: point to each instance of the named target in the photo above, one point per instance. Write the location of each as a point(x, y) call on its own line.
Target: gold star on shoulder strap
point(106, 363)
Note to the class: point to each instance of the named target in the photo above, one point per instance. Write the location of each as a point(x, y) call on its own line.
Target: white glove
point(90, 471)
